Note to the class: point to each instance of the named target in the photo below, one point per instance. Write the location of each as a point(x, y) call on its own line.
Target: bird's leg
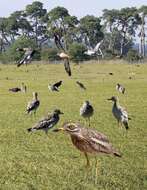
point(96, 170)
point(89, 121)
point(88, 163)
point(118, 123)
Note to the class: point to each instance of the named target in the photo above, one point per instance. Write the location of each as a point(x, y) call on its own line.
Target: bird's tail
point(31, 129)
point(126, 125)
point(115, 153)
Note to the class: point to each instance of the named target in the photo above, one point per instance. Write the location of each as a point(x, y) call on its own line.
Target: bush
point(49, 54)
point(133, 56)
point(76, 52)
point(11, 55)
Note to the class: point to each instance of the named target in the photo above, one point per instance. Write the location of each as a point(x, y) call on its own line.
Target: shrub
point(49, 54)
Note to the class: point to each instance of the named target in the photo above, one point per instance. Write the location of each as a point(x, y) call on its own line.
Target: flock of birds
point(86, 139)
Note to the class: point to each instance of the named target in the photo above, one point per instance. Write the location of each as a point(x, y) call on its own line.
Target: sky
point(77, 8)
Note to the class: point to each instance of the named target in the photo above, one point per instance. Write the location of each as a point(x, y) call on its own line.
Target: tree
point(90, 29)
point(37, 17)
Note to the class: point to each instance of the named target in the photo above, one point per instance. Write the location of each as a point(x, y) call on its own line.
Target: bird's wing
point(123, 112)
point(67, 66)
point(46, 122)
point(98, 45)
point(58, 84)
point(33, 104)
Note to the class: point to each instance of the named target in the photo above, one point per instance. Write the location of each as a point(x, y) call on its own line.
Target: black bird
point(34, 104)
point(81, 85)
point(54, 87)
point(16, 89)
point(47, 122)
point(27, 57)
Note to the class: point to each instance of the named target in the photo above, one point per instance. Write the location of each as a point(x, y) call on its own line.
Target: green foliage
point(49, 54)
point(21, 42)
point(132, 56)
point(76, 52)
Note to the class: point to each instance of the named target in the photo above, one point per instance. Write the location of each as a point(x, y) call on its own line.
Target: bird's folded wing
point(67, 66)
point(58, 84)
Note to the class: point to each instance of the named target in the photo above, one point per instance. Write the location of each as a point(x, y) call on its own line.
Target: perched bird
point(16, 89)
point(54, 87)
point(86, 110)
point(96, 50)
point(88, 140)
point(27, 57)
point(119, 113)
point(34, 104)
point(81, 85)
point(47, 122)
point(65, 57)
point(120, 88)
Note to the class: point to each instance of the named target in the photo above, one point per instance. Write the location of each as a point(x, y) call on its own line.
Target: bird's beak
point(109, 99)
point(61, 113)
point(59, 129)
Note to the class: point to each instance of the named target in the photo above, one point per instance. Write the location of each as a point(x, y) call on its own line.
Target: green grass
point(39, 162)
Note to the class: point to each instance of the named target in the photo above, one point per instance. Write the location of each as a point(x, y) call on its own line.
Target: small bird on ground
point(15, 89)
point(86, 110)
point(34, 104)
point(27, 57)
point(119, 113)
point(81, 85)
point(54, 87)
point(47, 122)
point(88, 140)
point(120, 88)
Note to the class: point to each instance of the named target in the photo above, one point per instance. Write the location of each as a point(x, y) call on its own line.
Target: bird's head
point(58, 112)
point(70, 128)
point(86, 102)
point(113, 99)
point(118, 84)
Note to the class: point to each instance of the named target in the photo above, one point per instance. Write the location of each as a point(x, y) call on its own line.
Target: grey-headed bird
point(86, 110)
point(119, 112)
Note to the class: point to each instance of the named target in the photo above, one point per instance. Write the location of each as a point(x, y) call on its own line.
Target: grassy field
point(35, 161)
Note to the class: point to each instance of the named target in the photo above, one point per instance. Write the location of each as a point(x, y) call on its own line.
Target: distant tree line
point(35, 27)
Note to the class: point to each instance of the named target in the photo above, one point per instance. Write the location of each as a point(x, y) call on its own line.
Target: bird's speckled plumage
point(47, 122)
point(88, 140)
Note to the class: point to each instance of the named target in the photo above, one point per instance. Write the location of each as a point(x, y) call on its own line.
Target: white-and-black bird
point(47, 122)
point(27, 57)
point(96, 50)
point(81, 85)
point(120, 88)
point(86, 110)
point(54, 87)
point(119, 112)
point(34, 104)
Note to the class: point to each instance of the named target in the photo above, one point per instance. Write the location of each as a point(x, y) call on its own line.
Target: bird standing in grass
point(54, 87)
point(120, 88)
point(86, 110)
point(47, 122)
point(27, 57)
point(81, 85)
point(34, 104)
point(88, 140)
point(119, 113)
